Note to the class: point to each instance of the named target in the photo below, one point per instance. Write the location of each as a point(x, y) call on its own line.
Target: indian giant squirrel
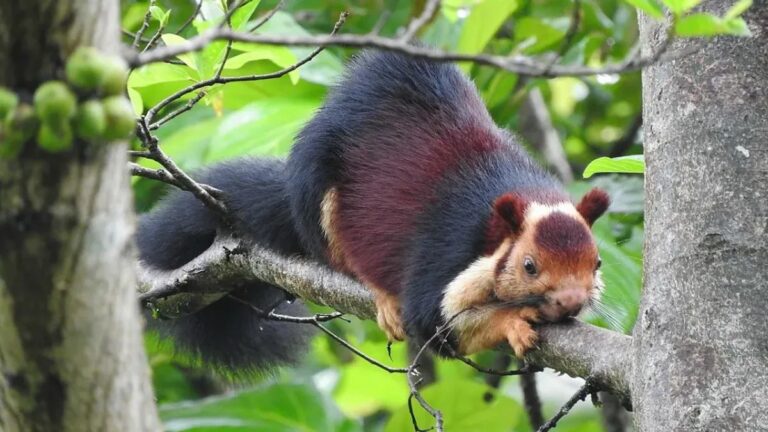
point(403, 181)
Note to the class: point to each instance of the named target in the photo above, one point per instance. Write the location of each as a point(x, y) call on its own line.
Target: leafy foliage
point(593, 116)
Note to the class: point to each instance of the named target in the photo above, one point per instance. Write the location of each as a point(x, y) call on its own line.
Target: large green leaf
point(275, 408)
point(634, 164)
point(324, 69)
point(355, 399)
point(483, 22)
point(464, 406)
point(263, 128)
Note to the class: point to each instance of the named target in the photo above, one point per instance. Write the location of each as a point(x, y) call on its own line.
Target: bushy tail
point(229, 334)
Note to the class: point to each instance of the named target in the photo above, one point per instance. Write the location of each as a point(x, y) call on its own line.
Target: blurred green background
point(334, 390)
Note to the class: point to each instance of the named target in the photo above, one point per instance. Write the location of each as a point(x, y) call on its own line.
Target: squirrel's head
point(548, 250)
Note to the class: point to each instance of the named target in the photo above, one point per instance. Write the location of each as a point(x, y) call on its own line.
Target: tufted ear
point(510, 208)
point(593, 205)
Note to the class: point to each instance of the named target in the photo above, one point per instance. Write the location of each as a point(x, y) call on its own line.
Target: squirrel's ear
point(593, 205)
point(511, 209)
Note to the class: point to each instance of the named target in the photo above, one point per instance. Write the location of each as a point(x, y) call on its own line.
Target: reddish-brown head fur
point(553, 252)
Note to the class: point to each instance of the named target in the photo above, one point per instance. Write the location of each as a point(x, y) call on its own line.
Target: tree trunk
point(701, 343)
point(71, 353)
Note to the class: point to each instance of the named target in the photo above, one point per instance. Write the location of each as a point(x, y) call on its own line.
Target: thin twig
point(163, 176)
point(187, 183)
point(522, 65)
point(268, 16)
point(144, 25)
point(426, 14)
point(152, 112)
point(172, 115)
point(573, 28)
point(153, 40)
point(580, 395)
point(316, 321)
point(191, 18)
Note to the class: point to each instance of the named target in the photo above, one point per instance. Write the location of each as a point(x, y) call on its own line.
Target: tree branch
point(574, 348)
point(517, 64)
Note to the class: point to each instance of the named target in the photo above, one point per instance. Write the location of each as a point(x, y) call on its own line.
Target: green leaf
point(483, 22)
point(281, 56)
point(157, 13)
point(702, 24)
point(324, 69)
point(171, 39)
point(737, 9)
point(357, 400)
point(136, 101)
point(679, 7)
point(651, 7)
point(275, 408)
point(274, 121)
point(535, 35)
point(737, 27)
point(624, 164)
point(699, 24)
point(243, 14)
point(464, 407)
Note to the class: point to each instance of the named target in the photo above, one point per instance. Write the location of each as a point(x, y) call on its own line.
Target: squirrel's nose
point(564, 302)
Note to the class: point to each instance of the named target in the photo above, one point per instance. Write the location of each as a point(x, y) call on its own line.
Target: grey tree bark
point(71, 353)
point(701, 342)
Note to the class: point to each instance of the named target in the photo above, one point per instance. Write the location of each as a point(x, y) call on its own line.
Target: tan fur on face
point(555, 271)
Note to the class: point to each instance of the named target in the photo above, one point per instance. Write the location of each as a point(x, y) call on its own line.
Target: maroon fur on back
point(593, 205)
point(392, 183)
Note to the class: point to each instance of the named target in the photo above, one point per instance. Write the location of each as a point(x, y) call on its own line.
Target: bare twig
point(573, 28)
point(518, 64)
point(268, 16)
point(430, 7)
point(186, 182)
point(580, 395)
point(153, 40)
point(191, 18)
point(316, 321)
point(163, 176)
point(172, 115)
point(144, 24)
point(152, 112)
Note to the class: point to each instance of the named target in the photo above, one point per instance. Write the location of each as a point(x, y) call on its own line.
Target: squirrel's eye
point(599, 263)
point(529, 266)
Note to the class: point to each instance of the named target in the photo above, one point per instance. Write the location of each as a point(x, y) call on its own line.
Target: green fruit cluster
point(91, 105)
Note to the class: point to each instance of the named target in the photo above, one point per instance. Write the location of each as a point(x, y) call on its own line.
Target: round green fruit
point(55, 104)
point(115, 77)
point(19, 126)
point(8, 102)
point(55, 140)
point(91, 120)
point(85, 69)
point(120, 119)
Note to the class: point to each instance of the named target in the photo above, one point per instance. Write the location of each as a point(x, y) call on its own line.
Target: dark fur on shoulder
point(229, 334)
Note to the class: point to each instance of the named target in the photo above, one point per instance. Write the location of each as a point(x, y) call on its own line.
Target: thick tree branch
point(574, 348)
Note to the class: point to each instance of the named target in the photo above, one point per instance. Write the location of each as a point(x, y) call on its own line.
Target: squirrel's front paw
point(521, 337)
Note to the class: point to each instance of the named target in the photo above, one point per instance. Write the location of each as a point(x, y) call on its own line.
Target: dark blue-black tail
point(229, 334)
